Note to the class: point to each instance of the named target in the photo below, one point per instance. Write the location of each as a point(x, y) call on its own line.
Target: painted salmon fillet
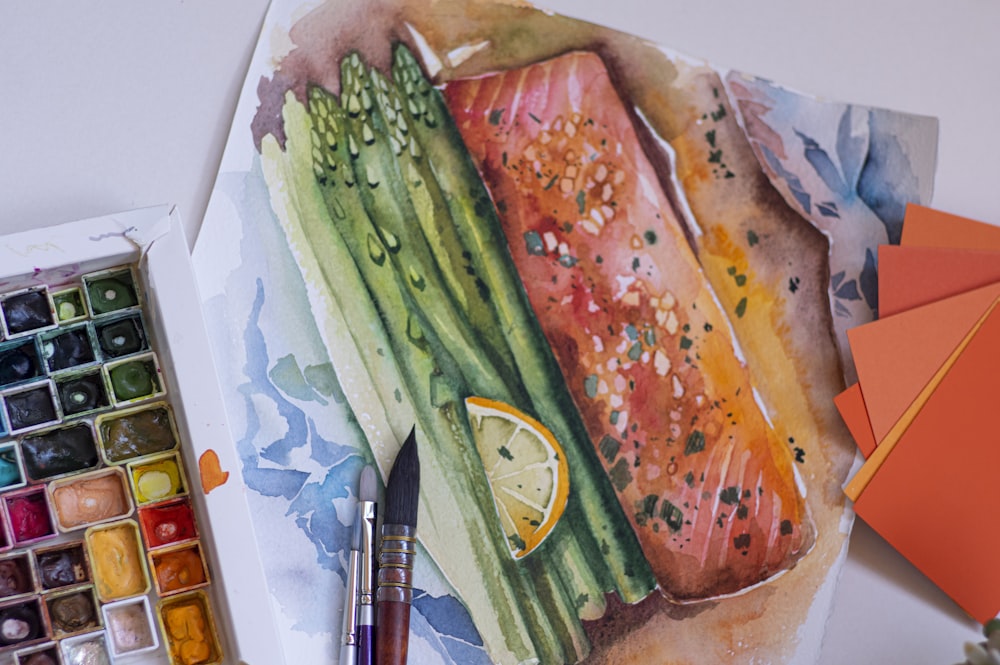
point(642, 344)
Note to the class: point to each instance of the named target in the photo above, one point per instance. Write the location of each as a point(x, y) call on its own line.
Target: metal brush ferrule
point(395, 573)
point(351, 600)
point(366, 511)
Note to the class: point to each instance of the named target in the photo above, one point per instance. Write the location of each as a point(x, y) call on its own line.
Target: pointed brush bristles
point(403, 488)
point(369, 487)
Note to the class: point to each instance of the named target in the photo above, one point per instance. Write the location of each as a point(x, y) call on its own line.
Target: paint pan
point(67, 348)
point(44, 654)
point(82, 393)
point(179, 568)
point(30, 407)
point(110, 291)
point(86, 649)
point(117, 561)
point(54, 452)
point(121, 336)
point(11, 466)
point(69, 306)
point(135, 379)
point(29, 516)
point(91, 498)
point(157, 478)
point(17, 576)
point(167, 523)
point(62, 565)
point(72, 612)
point(19, 362)
point(189, 628)
point(26, 311)
point(130, 626)
point(22, 624)
point(132, 433)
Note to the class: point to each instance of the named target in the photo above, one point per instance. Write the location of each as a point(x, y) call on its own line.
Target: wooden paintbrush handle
point(391, 646)
point(395, 593)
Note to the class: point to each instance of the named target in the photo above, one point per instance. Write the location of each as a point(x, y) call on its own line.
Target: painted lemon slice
point(526, 469)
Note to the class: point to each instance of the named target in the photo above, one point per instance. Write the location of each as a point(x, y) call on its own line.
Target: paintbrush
point(398, 551)
point(367, 512)
point(348, 648)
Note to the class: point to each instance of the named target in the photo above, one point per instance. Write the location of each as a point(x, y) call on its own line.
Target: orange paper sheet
point(926, 227)
point(934, 498)
point(851, 405)
point(909, 277)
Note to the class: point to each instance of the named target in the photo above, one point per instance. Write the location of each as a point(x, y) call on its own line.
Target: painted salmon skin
point(648, 355)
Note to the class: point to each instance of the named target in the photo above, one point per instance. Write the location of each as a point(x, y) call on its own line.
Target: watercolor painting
point(608, 284)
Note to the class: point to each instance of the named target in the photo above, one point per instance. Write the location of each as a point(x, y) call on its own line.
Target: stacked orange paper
point(926, 409)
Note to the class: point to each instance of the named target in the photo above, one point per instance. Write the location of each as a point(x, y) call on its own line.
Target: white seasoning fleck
point(661, 362)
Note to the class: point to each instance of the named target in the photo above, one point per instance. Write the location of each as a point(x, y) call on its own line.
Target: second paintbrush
point(367, 495)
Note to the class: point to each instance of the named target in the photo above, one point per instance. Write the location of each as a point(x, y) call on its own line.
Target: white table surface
point(117, 104)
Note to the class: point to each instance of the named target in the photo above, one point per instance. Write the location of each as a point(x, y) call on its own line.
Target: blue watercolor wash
point(852, 149)
point(794, 184)
point(313, 508)
point(447, 614)
point(305, 593)
point(888, 182)
point(824, 166)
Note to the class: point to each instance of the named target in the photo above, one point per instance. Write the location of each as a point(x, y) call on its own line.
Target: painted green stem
point(593, 506)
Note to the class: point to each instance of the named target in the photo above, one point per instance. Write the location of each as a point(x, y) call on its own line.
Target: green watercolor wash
point(533, 243)
point(672, 515)
point(741, 307)
point(609, 447)
point(730, 495)
point(590, 386)
point(323, 380)
point(620, 475)
point(635, 352)
point(752, 238)
point(288, 378)
point(695, 443)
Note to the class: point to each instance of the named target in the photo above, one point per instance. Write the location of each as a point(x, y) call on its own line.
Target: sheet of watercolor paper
point(607, 283)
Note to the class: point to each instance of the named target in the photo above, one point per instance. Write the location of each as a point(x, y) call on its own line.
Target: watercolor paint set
point(121, 537)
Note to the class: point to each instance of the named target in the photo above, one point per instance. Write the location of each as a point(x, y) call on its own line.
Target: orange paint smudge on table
point(211, 472)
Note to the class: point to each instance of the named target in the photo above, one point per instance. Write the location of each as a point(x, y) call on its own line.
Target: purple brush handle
point(366, 635)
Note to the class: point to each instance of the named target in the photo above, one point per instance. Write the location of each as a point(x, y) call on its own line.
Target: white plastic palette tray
point(152, 242)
